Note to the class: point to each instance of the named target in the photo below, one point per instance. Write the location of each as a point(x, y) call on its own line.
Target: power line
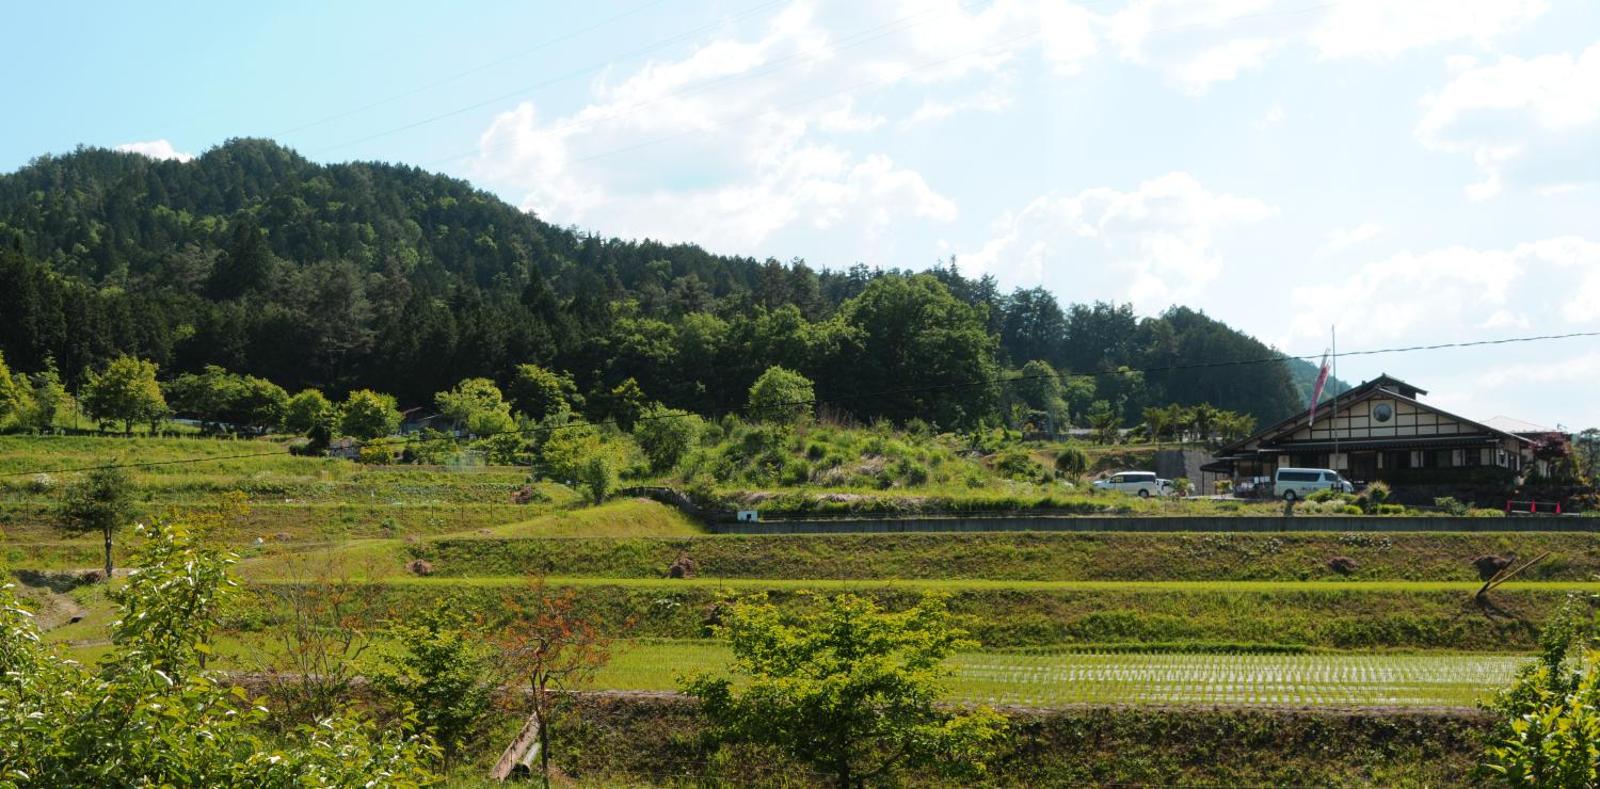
point(770, 68)
point(813, 402)
point(458, 75)
point(774, 66)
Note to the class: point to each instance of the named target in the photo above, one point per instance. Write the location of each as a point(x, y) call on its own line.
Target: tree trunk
point(544, 752)
point(107, 532)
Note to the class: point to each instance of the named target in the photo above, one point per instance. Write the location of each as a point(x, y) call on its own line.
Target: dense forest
point(369, 275)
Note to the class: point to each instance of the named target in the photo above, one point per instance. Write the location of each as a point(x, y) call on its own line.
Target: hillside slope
point(386, 276)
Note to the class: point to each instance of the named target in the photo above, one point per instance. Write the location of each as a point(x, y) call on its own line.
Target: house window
point(1441, 458)
point(1416, 459)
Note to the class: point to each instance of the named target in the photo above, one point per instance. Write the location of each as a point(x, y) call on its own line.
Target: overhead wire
point(608, 21)
point(852, 40)
point(814, 402)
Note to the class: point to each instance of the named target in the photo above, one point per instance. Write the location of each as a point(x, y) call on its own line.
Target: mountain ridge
point(385, 275)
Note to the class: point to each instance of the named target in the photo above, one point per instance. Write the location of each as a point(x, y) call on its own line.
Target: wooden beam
point(522, 751)
point(1506, 574)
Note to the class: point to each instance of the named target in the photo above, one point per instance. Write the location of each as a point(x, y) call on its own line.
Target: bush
point(1374, 497)
point(1342, 565)
point(1488, 565)
point(1450, 505)
point(1072, 463)
point(377, 455)
point(665, 435)
point(1017, 464)
point(781, 396)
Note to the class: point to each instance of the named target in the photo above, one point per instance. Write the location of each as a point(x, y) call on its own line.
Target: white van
point(1144, 484)
point(1290, 484)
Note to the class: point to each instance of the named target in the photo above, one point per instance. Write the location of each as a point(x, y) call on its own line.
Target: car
point(1291, 484)
point(1144, 484)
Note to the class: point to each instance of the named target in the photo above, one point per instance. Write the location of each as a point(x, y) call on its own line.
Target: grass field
point(1062, 618)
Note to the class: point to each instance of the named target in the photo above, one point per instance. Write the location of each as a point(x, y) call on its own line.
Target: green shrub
point(666, 435)
point(1450, 505)
point(1016, 463)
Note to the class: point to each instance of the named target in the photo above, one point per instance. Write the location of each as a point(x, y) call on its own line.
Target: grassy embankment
point(634, 741)
point(285, 500)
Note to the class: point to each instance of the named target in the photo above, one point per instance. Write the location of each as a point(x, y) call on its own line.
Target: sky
point(1389, 173)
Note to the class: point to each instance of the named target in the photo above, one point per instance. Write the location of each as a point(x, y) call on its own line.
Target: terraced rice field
point(1048, 680)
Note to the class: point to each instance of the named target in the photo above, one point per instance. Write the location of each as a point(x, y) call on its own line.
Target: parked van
point(1290, 484)
point(1143, 484)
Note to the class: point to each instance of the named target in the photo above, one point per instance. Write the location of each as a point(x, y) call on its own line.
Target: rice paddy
point(1053, 680)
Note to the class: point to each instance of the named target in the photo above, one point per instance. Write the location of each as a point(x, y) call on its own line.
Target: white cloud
point(1387, 28)
point(1225, 62)
point(1273, 117)
point(1157, 242)
point(1524, 121)
point(1198, 43)
point(932, 110)
point(1450, 291)
point(156, 149)
point(1346, 237)
point(739, 139)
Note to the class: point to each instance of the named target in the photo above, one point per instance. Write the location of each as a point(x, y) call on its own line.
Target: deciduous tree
point(549, 646)
point(125, 392)
point(443, 673)
point(150, 715)
point(101, 502)
point(780, 396)
point(477, 405)
point(847, 688)
point(50, 399)
point(306, 410)
point(538, 393)
point(666, 435)
point(367, 415)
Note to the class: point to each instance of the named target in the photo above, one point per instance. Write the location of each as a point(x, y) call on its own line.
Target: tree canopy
point(847, 688)
point(373, 276)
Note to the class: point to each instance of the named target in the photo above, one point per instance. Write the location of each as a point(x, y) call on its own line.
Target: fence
point(1327, 523)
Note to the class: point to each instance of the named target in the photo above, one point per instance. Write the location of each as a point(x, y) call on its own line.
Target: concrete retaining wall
point(1146, 524)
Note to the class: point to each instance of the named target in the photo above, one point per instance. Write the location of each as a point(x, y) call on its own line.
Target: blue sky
point(1414, 172)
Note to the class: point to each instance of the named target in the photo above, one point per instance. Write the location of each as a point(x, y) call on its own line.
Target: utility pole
point(1333, 339)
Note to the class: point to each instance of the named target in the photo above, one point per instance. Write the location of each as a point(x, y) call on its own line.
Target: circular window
point(1382, 412)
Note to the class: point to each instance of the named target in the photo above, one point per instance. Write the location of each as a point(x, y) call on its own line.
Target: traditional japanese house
point(1381, 430)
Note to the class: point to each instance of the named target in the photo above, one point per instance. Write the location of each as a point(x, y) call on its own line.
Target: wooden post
point(1506, 573)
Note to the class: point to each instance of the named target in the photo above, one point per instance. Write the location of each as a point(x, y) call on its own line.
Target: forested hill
point(389, 277)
